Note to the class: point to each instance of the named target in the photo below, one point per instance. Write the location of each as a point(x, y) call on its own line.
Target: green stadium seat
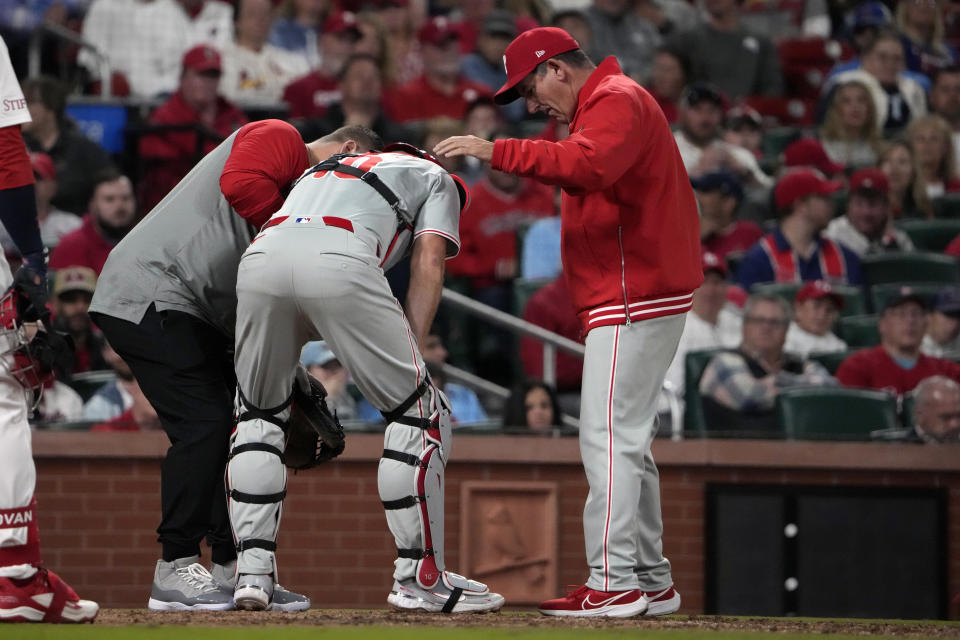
point(931, 235)
point(946, 206)
point(835, 413)
point(880, 293)
point(776, 139)
point(921, 267)
point(831, 360)
point(786, 290)
point(853, 301)
point(523, 290)
point(860, 331)
point(694, 364)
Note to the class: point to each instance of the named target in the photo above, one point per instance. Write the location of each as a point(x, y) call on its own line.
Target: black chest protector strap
point(333, 163)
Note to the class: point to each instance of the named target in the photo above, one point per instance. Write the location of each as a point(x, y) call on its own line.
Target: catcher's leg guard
point(411, 481)
point(256, 485)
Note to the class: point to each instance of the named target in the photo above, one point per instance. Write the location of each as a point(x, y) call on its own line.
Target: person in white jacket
point(897, 97)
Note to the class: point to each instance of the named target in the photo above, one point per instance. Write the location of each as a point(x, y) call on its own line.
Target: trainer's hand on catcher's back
point(465, 146)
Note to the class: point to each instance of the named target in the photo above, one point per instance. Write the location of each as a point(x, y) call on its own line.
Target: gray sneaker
point(452, 594)
point(185, 585)
point(283, 600)
point(254, 592)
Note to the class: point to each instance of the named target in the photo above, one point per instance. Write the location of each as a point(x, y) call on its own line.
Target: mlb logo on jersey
point(302, 220)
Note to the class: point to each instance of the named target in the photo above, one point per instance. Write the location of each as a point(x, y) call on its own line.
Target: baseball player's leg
point(269, 337)
point(653, 569)
point(28, 591)
point(19, 547)
point(184, 371)
point(623, 371)
point(364, 325)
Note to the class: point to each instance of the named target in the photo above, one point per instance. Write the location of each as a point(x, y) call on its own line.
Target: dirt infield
point(523, 620)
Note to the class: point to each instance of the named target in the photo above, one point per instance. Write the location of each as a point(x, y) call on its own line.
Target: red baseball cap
point(870, 180)
point(341, 22)
point(713, 262)
point(816, 289)
point(202, 58)
point(808, 152)
point(528, 50)
point(42, 165)
point(800, 183)
point(438, 31)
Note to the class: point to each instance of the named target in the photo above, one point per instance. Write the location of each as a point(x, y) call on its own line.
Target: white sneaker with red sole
point(43, 597)
point(661, 603)
point(586, 602)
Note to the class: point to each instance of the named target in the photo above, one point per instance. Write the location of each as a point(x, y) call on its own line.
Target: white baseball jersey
point(13, 106)
point(428, 198)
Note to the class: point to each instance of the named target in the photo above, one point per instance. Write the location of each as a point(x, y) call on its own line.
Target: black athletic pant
point(185, 369)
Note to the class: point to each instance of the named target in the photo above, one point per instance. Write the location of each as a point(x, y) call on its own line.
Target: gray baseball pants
point(297, 284)
point(623, 370)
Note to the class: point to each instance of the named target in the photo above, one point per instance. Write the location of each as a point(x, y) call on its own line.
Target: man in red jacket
point(631, 256)
point(897, 364)
point(171, 154)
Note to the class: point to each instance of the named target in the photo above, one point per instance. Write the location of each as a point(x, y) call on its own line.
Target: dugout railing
point(551, 343)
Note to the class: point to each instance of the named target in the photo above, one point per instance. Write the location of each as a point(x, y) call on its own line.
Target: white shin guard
point(411, 483)
point(256, 486)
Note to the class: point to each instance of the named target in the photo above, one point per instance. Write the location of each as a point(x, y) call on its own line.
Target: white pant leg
point(18, 475)
point(623, 371)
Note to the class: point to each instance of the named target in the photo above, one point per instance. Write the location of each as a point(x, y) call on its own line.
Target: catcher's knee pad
point(411, 483)
point(256, 485)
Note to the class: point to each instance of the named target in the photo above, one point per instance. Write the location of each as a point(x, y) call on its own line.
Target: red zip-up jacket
point(630, 232)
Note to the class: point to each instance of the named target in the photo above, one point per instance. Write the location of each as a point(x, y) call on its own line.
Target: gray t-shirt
point(740, 62)
point(183, 256)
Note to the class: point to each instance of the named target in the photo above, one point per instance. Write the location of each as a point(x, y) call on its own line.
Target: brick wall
point(99, 507)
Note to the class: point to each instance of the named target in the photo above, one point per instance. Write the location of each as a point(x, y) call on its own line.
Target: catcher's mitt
point(314, 434)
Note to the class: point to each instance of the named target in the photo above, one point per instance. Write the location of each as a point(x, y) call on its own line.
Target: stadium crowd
point(821, 138)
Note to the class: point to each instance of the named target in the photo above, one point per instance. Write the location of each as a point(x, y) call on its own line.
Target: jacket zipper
point(623, 275)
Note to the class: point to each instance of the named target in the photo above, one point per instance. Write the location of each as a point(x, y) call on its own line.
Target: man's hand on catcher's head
point(465, 146)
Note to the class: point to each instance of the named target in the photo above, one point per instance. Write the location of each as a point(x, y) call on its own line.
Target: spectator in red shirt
point(552, 308)
point(72, 292)
point(111, 214)
point(171, 154)
point(719, 194)
point(897, 364)
point(441, 90)
point(500, 204)
point(311, 95)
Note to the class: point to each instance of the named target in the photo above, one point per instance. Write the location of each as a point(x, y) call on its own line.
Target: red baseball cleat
point(43, 597)
point(589, 602)
point(661, 603)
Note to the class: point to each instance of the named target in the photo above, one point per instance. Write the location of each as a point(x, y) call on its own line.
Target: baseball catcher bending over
point(166, 300)
point(317, 270)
